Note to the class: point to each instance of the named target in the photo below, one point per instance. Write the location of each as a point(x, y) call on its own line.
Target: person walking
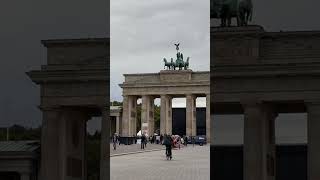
point(167, 141)
point(143, 137)
point(186, 140)
point(119, 139)
point(114, 141)
point(145, 141)
point(161, 139)
point(193, 140)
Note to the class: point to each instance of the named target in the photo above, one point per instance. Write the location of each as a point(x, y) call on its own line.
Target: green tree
point(157, 118)
point(115, 103)
point(138, 117)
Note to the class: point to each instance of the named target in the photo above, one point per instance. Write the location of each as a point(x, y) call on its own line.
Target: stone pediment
point(175, 83)
point(77, 51)
point(253, 46)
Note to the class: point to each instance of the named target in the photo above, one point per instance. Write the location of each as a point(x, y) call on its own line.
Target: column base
point(127, 140)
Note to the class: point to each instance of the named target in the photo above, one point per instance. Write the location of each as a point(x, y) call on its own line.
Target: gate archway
point(74, 86)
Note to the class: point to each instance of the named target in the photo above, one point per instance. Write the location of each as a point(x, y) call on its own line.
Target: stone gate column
point(313, 109)
point(118, 124)
point(147, 111)
point(105, 144)
point(163, 114)
point(129, 119)
point(74, 126)
point(125, 116)
point(25, 176)
point(208, 118)
point(259, 142)
point(133, 115)
point(50, 143)
point(191, 125)
point(145, 114)
point(168, 115)
point(64, 135)
point(151, 116)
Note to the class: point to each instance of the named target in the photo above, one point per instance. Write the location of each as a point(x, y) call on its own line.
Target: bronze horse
point(225, 10)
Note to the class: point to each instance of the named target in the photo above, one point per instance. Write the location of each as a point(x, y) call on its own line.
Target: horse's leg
point(238, 21)
point(249, 16)
point(223, 22)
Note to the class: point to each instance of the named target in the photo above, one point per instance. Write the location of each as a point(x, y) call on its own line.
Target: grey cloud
point(145, 35)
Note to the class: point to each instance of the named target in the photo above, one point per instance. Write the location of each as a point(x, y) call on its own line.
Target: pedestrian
point(114, 141)
point(143, 141)
point(161, 139)
point(186, 140)
point(135, 139)
point(119, 139)
point(193, 140)
point(167, 141)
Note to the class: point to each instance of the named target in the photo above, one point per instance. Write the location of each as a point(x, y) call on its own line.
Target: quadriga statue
point(225, 10)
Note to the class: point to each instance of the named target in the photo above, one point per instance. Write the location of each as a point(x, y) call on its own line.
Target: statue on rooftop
point(225, 10)
point(178, 62)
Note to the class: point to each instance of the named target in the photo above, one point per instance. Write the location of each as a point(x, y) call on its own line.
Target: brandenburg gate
point(166, 85)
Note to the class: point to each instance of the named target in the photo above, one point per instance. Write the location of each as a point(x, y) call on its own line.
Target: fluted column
point(208, 118)
point(133, 115)
point(125, 116)
point(259, 141)
point(163, 114)
point(50, 143)
point(24, 176)
point(63, 134)
point(313, 109)
point(147, 119)
point(117, 124)
point(151, 116)
point(168, 115)
point(191, 125)
point(144, 114)
point(104, 146)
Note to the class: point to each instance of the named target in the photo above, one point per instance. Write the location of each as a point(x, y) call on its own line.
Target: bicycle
point(168, 155)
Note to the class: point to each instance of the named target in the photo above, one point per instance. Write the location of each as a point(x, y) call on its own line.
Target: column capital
point(165, 96)
point(258, 104)
point(312, 102)
point(190, 95)
point(247, 103)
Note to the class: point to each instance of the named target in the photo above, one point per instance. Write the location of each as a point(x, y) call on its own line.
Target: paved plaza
point(189, 163)
point(124, 149)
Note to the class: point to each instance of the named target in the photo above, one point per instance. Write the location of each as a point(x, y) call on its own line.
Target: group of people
point(115, 140)
point(170, 141)
point(143, 141)
point(175, 142)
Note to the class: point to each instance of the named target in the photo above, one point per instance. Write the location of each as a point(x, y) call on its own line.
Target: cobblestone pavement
point(189, 163)
point(133, 148)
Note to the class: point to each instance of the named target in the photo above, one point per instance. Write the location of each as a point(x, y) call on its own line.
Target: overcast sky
point(23, 25)
point(143, 33)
